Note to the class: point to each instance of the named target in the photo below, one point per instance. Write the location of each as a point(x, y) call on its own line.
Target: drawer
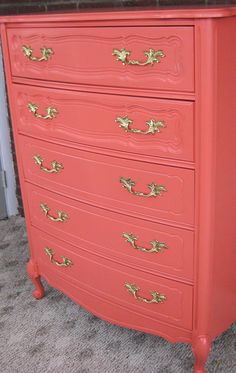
point(161, 192)
point(172, 301)
point(148, 246)
point(114, 313)
point(148, 126)
point(89, 56)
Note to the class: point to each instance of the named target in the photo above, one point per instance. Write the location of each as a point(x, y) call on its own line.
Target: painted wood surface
point(99, 181)
point(85, 55)
point(86, 119)
point(107, 240)
point(104, 278)
point(199, 199)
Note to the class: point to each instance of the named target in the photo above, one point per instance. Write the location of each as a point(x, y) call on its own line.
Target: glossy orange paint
point(100, 129)
point(193, 89)
point(99, 181)
point(108, 280)
point(176, 73)
point(175, 262)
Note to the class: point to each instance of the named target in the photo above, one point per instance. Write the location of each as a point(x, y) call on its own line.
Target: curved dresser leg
point(201, 348)
point(32, 271)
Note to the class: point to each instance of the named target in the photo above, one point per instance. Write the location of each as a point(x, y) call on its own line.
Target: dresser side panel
point(223, 311)
point(205, 118)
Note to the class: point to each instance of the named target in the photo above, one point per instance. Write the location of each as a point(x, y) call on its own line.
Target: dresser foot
point(201, 348)
point(32, 271)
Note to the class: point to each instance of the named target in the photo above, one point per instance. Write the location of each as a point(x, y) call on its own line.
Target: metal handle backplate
point(65, 261)
point(156, 246)
point(61, 215)
point(51, 111)
point(152, 57)
point(156, 296)
point(55, 166)
point(155, 189)
point(154, 126)
point(46, 53)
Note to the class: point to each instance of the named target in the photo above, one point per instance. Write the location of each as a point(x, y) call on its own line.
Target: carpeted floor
point(56, 335)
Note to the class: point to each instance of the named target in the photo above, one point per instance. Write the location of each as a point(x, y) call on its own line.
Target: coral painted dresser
point(124, 125)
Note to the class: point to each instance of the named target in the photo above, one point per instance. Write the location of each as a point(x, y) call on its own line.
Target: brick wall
point(31, 6)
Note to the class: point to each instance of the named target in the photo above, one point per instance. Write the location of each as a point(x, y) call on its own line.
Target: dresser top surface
point(134, 13)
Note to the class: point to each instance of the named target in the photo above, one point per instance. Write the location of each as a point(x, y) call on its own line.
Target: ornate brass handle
point(152, 57)
point(156, 245)
point(154, 126)
point(62, 216)
point(155, 189)
point(46, 53)
point(51, 111)
point(65, 261)
point(156, 297)
point(55, 166)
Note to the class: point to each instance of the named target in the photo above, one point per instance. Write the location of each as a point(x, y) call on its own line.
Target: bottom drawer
point(114, 313)
point(149, 295)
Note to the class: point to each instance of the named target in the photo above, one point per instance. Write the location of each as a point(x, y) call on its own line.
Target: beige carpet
point(56, 335)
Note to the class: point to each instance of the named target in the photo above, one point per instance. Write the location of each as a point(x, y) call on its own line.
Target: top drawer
point(94, 56)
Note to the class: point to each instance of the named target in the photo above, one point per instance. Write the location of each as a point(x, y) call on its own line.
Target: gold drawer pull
point(156, 245)
point(155, 189)
point(51, 111)
point(154, 126)
point(62, 216)
point(152, 57)
point(46, 53)
point(65, 261)
point(156, 297)
point(56, 167)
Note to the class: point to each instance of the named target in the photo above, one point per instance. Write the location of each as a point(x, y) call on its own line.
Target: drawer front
point(89, 56)
point(161, 192)
point(172, 302)
point(148, 246)
point(151, 127)
point(115, 314)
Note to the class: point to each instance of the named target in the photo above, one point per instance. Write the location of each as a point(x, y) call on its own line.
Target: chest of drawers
point(124, 126)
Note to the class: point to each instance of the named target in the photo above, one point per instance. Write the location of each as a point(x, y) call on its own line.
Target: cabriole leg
point(201, 348)
point(32, 271)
